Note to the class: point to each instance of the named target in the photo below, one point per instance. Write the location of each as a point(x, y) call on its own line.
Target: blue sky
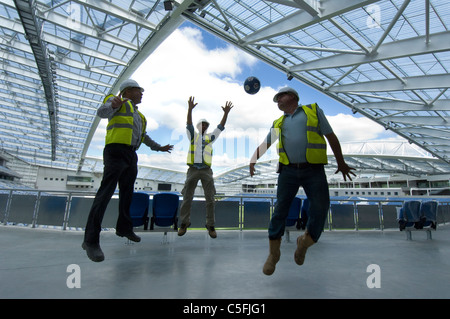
point(192, 62)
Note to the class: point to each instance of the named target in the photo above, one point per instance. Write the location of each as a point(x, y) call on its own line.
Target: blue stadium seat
point(165, 210)
point(415, 215)
point(304, 214)
point(409, 215)
point(428, 214)
point(139, 209)
point(256, 213)
point(293, 219)
point(294, 213)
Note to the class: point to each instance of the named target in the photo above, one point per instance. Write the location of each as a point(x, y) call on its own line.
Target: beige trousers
point(205, 175)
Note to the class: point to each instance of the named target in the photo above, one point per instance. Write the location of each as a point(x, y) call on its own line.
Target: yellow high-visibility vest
point(207, 152)
point(316, 148)
point(120, 126)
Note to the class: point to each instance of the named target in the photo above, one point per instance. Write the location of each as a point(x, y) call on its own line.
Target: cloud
point(349, 128)
point(182, 67)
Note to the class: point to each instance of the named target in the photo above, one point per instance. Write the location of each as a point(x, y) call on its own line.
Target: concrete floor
point(36, 263)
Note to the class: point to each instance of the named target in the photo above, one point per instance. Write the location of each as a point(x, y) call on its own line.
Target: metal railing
point(69, 210)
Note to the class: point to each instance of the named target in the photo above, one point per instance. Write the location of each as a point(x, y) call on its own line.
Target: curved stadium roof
point(59, 57)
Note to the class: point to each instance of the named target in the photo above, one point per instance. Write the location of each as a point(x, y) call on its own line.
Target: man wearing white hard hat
point(300, 132)
point(199, 162)
point(125, 132)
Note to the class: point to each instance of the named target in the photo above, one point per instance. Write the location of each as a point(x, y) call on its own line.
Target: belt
point(302, 165)
point(131, 147)
point(299, 165)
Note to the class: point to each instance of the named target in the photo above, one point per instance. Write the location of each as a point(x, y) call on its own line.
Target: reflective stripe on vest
point(207, 152)
point(120, 126)
point(316, 148)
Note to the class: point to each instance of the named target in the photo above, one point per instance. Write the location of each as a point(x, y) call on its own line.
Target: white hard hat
point(285, 90)
point(130, 84)
point(202, 121)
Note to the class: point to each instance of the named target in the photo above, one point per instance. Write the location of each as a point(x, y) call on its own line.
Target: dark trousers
point(120, 167)
point(314, 181)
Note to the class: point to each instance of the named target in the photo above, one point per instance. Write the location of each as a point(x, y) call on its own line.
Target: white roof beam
point(28, 86)
point(349, 35)
point(82, 66)
point(25, 106)
point(75, 97)
point(435, 142)
point(227, 21)
point(425, 82)
point(390, 26)
point(109, 8)
point(15, 45)
point(19, 60)
point(439, 105)
point(312, 10)
point(60, 42)
point(83, 29)
point(419, 120)
point(393, 50)
point(302, 19)
point(426, 131)
point(71, 46)
point(78, 77)
point(301, 47)
point(66, 44)
point(387, 98)
point(82, 90)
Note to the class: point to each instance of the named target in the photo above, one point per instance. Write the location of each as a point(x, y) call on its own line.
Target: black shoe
point(93, 251)
point(131, 236)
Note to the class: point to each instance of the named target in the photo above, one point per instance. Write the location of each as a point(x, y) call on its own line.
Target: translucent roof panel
point(59, 59)
point(388, 60)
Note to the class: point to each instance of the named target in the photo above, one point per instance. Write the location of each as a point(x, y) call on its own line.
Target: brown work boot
point(274, 256)
point(183, 229)
point(303, 242)
point(211, 231)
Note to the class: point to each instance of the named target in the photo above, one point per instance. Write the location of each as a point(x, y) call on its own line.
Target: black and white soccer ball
point(252, 85)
